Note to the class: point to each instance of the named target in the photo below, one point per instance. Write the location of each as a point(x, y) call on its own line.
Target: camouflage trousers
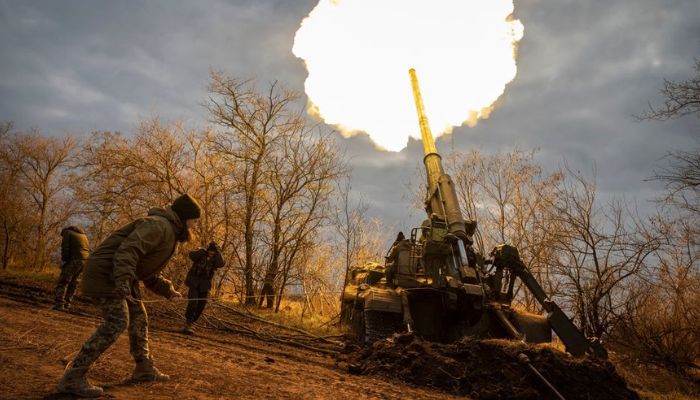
point(117, 315)
point(68, 281)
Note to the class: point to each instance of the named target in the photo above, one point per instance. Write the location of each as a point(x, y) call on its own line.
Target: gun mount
point(435, 284)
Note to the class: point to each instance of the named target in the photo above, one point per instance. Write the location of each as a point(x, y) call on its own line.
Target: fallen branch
point(256, 318)
point(18, 348)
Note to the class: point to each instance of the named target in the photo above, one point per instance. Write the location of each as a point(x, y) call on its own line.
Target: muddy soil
point(490, 369)
point(36, 343)
point(235, 357)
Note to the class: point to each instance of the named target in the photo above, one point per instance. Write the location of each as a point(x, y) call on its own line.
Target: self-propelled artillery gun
point(435, 284)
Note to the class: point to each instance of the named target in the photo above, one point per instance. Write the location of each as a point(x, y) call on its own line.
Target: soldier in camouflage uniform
point(135, 252)
point(74, 251)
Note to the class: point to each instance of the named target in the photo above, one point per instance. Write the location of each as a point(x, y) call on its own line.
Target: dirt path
point(36, 342)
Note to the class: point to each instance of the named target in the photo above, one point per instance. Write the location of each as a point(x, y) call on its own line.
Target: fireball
point(357, 54)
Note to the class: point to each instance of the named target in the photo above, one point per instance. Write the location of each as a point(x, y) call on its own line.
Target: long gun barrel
point(432, 160)
point(442, 197)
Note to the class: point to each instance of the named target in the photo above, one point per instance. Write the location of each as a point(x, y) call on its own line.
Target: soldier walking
point(75, 249)
point(135, 252)
point(205, 262)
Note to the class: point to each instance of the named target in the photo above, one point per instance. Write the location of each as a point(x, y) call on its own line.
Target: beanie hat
point(186, 207)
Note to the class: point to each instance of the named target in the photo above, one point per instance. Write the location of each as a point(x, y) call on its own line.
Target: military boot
point(146, 372)
point(187, 330)
point(59, 298)
point(70, 292)
point(74, 382)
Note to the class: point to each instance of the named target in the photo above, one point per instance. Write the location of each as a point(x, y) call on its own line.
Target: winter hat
point(212, 247)
point(186, 207)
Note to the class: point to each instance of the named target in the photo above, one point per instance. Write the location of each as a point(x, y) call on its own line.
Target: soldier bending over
point(135, 252)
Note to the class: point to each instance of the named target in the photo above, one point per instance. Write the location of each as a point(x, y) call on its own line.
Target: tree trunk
point(248, 268)
point(280, 292)
point(6, 250)
point(267, 294)
point(40, 248)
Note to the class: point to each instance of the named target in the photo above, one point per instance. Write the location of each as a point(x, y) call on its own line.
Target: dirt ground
point(36, 342)
point(236, 357)
point(491, 369)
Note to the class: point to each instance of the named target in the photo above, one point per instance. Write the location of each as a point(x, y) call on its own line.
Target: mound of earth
point(490, 369)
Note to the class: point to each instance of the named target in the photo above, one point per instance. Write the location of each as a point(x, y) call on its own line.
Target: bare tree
point(100, 190)
point(122, 177)
point(42, 165)
point(681, 98)
point(253, 123)
point(301, 182)
point(682, 179)
point(14, 206)
point(350, 224)
point(661, 320)
point(682, 174)
point(318, 279)
point(599, 251)
point(510, 197)
point(210, 182)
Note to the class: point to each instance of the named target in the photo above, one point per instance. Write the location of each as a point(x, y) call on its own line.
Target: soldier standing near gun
point(205, 262)
point(392, 259)
point(75, 249)
point(135, 252)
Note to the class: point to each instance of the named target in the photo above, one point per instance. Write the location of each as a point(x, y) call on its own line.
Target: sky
point(584, 69)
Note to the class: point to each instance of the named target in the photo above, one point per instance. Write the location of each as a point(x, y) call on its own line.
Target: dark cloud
point(83, 65)
point(584, 69)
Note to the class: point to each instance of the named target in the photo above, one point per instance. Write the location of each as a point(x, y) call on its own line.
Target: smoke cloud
point(358, 53)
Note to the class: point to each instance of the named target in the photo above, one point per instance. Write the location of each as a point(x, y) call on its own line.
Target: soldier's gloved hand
point(176, 296)
point(122, 289)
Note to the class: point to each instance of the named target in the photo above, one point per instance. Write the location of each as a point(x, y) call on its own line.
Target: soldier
point(74, 251)
point(205, 262)
point(135, 252)
point(393, 258)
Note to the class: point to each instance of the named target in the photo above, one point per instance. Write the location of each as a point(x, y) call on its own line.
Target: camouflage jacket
point(137, 251)
point(75, 245)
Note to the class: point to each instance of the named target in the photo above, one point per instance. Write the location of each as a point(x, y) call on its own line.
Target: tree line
point(277, 197)
point(632, 280)
point(265, 177)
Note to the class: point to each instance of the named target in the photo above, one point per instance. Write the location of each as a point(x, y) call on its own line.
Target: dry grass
point(46, 275)
point(653, 382)
point(290, 314)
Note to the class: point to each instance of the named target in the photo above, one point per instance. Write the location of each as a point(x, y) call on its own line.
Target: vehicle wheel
point(357, 324)
point(380, 325)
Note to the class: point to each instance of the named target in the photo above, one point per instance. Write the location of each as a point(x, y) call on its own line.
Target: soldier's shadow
point(62, 396)
point(106, 386)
